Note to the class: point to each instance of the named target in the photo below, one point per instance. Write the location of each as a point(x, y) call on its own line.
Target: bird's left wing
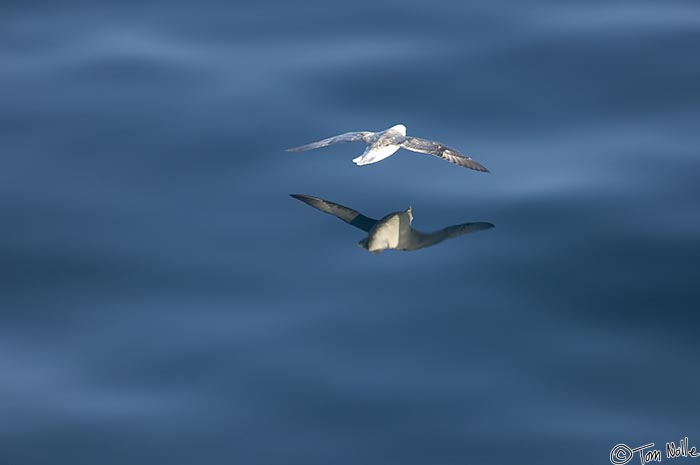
point(421, 240)
point(347, 137)
point(346, 214)
point(416, 144)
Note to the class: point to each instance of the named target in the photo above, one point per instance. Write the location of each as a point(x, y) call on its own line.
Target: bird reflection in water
point(394, 230)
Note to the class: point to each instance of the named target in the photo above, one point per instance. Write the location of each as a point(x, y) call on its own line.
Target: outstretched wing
point(416, 144)
point(347, 137)
point(459, 229)
point(346, 214)
point(421, 240)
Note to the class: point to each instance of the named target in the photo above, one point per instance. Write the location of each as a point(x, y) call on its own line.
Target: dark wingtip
point(481, 225)
point(472, 165)
point(307, 199)
point(480, 167)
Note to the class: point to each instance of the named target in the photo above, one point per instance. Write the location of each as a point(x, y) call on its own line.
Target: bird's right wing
point(347, 137)
point(346, 214)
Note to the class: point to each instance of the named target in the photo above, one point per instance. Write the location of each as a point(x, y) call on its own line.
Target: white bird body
point(383, 144)
point(389, 231)
point(373, 154)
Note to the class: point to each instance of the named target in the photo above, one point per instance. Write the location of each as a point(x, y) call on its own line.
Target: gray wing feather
point(346, 214)
point(416, 144)
point(347, 137)
point(464, 228)
point(422, 240)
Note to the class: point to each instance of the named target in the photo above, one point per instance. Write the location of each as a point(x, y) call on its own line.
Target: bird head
point(400, 128)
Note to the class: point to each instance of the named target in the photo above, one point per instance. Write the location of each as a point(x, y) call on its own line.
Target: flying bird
point(394, 230)
point(383, 144)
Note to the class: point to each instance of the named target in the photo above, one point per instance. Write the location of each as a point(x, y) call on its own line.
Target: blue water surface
point(164, 301)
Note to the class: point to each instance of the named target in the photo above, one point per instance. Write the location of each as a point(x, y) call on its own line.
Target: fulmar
point(383, 144)
point(394, 230)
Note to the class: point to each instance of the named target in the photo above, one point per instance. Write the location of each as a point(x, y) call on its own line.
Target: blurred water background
point(164, 301)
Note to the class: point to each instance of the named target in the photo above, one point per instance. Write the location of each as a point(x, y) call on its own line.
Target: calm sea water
point(163, 300)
